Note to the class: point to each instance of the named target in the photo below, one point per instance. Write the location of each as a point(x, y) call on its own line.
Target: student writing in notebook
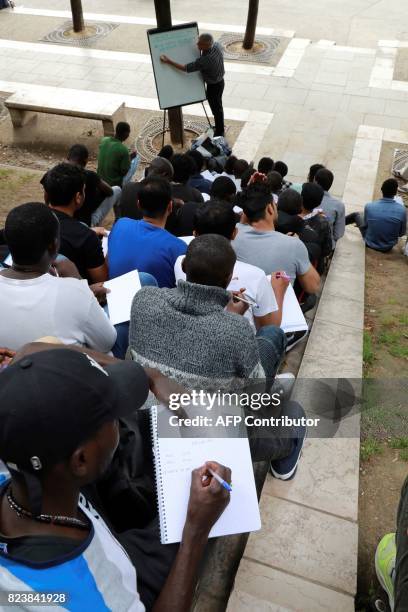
point(51, 538)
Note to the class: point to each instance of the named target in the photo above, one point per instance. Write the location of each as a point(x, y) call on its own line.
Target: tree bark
point(163, 18)
point(250, 30)
point(77, 15)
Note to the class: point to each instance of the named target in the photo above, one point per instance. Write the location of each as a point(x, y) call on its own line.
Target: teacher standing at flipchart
point(211, 65)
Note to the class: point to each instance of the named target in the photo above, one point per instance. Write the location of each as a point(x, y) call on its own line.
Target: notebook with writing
point(175, 458)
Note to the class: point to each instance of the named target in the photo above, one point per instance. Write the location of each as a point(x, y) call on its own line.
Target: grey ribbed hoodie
point(186, 334)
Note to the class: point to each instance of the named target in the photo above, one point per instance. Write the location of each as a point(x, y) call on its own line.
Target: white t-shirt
point(254, 281)
point(50, 306)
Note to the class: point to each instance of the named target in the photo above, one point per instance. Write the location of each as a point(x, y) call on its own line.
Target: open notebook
point(293, 318)
point(175, 458)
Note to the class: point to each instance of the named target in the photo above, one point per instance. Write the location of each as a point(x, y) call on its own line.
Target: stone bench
point(24, 105)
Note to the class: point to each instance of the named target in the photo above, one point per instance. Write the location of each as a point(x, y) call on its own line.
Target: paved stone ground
point(323, 102)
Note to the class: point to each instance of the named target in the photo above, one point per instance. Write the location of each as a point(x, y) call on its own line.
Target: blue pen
point(220, 480)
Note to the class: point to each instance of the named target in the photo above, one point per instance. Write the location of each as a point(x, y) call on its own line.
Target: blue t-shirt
point(138, 245)
point(386, 221)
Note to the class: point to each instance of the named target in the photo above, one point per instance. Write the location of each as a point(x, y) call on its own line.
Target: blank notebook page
point(175, 458)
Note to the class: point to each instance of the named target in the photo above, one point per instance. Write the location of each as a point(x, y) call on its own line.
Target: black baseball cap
point(52, 401)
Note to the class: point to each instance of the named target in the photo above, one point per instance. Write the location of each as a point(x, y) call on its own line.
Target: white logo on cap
point(95, 364)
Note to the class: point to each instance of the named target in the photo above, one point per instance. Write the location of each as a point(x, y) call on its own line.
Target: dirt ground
point(385, 422)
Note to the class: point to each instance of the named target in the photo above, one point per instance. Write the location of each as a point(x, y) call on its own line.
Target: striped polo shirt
point(210, 63)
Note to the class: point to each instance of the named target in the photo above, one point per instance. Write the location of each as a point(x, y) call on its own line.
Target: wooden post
point(250, 30)
point(163, 18)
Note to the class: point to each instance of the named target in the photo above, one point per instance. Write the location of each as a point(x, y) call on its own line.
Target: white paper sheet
point(122, 291)
point(293, 318)
point(175, 458)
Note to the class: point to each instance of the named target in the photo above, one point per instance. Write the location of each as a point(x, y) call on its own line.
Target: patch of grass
point(368, 353)
point(403, 319)
point(399, 351)
point(369, 448)
point(399, 442)
point(392, 301)
point(389, 338)
point(387, 321)
point(404, 454)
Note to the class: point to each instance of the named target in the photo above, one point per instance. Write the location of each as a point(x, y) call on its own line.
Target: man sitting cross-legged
point(188, 334)
point(384, 221)
point(145, 245)
point(64, 192)
point(59, 430)
point(34, 303)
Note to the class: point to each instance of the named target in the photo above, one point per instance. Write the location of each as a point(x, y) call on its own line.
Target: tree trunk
point(250, 30)
point(163, 18)
point(77, 15)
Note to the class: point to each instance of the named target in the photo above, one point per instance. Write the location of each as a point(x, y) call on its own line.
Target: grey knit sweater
point(186, 334)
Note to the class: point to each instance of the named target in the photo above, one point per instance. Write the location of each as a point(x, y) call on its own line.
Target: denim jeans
point(271, 345)
point(122, 329)
point(108, 203)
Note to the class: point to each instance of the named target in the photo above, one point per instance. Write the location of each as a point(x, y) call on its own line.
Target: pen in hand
point(220, 480)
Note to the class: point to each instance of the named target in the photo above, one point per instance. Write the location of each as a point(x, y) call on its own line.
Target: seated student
point(223, 189)
point(333, 208)
point(384, 220)
point(167, 152)
point(34, 303)
point(59, 431)
point(64, 192)
point(201, 343)
point(197, 180)
point(312, 196)
point(184, 168)
point(159, 166)
point(265, 165)
point(290, 222)
point(145, 245)
point(283, 170)
point(314, 168)
point(217, 218)
point(114, 158)
point(100, 197)
point(275, 184)
point(259, 244)
point(391, 559)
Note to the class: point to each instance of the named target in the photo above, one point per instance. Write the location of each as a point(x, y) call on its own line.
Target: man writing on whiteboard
point(211, 65)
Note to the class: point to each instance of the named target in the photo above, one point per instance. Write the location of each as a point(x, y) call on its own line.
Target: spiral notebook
point(176, 457)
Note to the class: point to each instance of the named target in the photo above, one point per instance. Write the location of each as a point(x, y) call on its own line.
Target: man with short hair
point(283, 170)
point(159, 166)
point(312, 214)
point(197, 180)
point(384, 220)
point(223, 188)
point(34, 302)
point(211, 65)
point(184, 168)
point(265, 165)
point(274, 182)
point(258, 243)
point(100, 197)
point(146, 245)
point(64, 192)
point(114, 158)
point(333, 208)
point(59, 431)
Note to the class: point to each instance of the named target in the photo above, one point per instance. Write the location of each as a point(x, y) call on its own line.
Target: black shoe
point(309, 303)
point(293, 339)
point(285, 469)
